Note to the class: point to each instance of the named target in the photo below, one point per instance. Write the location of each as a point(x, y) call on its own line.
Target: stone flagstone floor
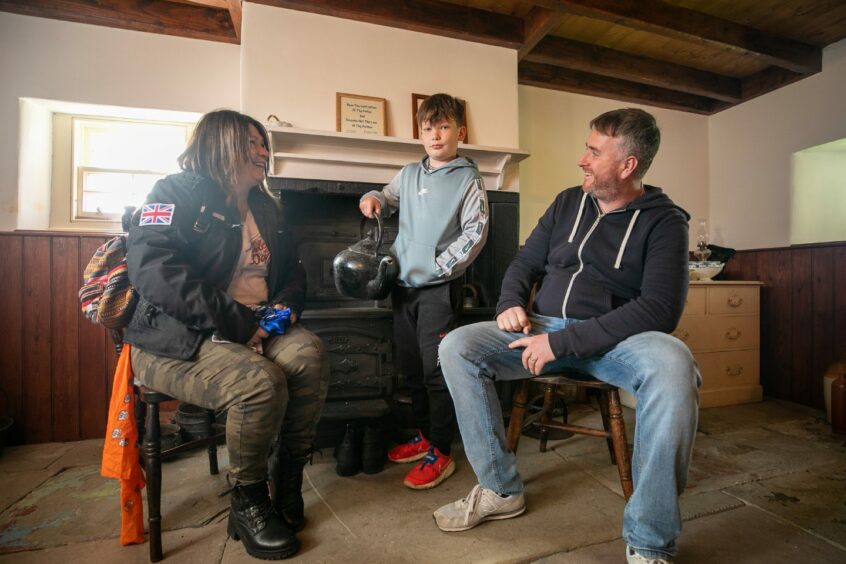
point(767, 485)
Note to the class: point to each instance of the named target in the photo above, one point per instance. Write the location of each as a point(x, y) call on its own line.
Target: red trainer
point(415, 449)
point(435, 468)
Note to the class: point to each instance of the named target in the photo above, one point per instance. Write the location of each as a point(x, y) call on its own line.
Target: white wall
point(819, 195)
point(293, 63)
point(554, 128)
point(49, 59)
point(752, 145)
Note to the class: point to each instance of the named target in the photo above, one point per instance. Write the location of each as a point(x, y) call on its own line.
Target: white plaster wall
point(293, 63)
point(554, 128)
point(49, 59)
point(752, 145)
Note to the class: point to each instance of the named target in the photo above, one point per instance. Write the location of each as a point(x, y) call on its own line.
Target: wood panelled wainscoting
point(803, 315)
point(56, 367)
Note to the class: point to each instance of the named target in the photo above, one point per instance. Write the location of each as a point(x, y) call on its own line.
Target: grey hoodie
point(443, 221)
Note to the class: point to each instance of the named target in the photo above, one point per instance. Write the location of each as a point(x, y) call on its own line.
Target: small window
point(116, 162)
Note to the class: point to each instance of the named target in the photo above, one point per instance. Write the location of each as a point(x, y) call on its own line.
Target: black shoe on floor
point(348, 453)
point(373, 448)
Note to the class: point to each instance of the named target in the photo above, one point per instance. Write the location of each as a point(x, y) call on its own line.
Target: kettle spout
point(385, 272)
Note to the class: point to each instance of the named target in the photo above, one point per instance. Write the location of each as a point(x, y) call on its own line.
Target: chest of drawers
point(721, 326)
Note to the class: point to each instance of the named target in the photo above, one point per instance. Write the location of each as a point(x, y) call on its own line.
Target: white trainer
point(481, 505)
point(633, 557)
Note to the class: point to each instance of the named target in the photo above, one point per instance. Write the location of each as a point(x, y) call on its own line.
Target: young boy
point(443, 226)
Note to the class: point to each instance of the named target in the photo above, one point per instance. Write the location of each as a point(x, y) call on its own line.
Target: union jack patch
point(156, 214)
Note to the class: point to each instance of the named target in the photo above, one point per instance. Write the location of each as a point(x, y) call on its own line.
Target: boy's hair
point(439, 107)
point(639, 133)
point(219, 144)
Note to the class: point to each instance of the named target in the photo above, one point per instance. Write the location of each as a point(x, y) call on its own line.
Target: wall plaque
point(364, 115)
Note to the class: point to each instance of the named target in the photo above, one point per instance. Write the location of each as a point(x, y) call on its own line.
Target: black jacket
point(624, 272)
point(181, 271)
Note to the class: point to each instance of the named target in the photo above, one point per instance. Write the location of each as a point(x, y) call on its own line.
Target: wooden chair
point(147, 402)
point(608, 398)
point(149, 432)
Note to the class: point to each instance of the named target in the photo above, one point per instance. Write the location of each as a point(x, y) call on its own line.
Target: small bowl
point(704, 270)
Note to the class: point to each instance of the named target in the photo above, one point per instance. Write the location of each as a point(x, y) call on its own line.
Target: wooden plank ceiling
point(700, 56)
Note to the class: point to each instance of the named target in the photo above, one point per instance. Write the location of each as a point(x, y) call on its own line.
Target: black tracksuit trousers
point(422, 317)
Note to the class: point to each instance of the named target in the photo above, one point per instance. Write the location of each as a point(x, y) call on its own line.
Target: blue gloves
point(274, 321)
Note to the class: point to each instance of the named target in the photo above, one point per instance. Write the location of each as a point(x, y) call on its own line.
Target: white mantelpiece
point(326, 155)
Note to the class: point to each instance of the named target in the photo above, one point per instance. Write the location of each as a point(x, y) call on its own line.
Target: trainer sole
point(448, 471)
point(414, 458)
point(495, 517)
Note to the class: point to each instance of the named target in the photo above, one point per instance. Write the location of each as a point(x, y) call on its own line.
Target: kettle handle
point(378, 231)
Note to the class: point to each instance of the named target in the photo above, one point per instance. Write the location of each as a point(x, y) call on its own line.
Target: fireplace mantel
point(327, 155)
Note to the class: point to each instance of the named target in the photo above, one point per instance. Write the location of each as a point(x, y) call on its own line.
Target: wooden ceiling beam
point(234, 7)
point(557, 78)
point(767, 80)
point(222, 4)
point(154, 16)
point(538, 23)
point(584, 57)
point(427, 16)
point(664, 19)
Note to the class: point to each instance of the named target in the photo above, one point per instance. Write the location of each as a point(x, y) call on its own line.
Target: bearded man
point(608, 266)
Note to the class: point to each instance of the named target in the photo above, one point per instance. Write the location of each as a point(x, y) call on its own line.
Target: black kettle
point(362, 271)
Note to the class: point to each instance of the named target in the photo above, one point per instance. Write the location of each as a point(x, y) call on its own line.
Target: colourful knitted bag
point(107, 296)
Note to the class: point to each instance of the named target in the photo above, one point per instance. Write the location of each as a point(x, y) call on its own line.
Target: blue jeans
point(657, 368)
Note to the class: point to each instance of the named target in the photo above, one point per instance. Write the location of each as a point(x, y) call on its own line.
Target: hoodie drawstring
point(625, 239)
point(579, 218)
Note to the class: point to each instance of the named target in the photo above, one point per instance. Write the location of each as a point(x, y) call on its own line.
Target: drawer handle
point(734, 370)
point(681, 334)
point(733, 334)
point(735, 301)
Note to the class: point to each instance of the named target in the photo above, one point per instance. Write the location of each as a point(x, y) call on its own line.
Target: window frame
point(77, 215)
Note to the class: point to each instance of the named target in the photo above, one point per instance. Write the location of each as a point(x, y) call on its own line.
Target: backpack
point(107, 296)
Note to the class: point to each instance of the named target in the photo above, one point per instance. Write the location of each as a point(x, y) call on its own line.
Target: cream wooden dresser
point(721, 325)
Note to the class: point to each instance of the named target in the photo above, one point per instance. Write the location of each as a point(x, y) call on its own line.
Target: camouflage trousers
point(280, 392)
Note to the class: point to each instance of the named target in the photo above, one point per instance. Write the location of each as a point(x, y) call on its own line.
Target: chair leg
point(621, 445)
point(153, 448)
point(602, 400)
point(140, 426)
point(209, 429)
point(518, 410)
point(548, 406)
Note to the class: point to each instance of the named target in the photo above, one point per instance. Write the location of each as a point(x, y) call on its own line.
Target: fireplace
point(364, 382)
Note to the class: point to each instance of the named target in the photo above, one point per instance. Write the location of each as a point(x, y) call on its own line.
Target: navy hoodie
point(622, 273)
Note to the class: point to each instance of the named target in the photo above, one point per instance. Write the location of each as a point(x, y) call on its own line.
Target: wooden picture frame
point(363, 115)
point(416, 100)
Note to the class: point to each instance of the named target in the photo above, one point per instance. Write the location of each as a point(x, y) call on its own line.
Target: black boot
point(373, 451)
point(286, 477)
point(252, 521)
point(348, 453)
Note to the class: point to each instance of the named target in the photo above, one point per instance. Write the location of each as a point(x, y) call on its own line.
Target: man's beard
point(603, 190)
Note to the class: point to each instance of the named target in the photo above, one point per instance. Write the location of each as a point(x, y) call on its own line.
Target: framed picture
point(364, 115)
point(416, 100)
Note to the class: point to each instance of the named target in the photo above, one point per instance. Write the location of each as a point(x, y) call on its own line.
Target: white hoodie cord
point(625, 239)
point(578, 218)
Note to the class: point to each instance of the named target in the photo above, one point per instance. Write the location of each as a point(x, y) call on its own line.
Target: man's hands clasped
point(536, 349)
